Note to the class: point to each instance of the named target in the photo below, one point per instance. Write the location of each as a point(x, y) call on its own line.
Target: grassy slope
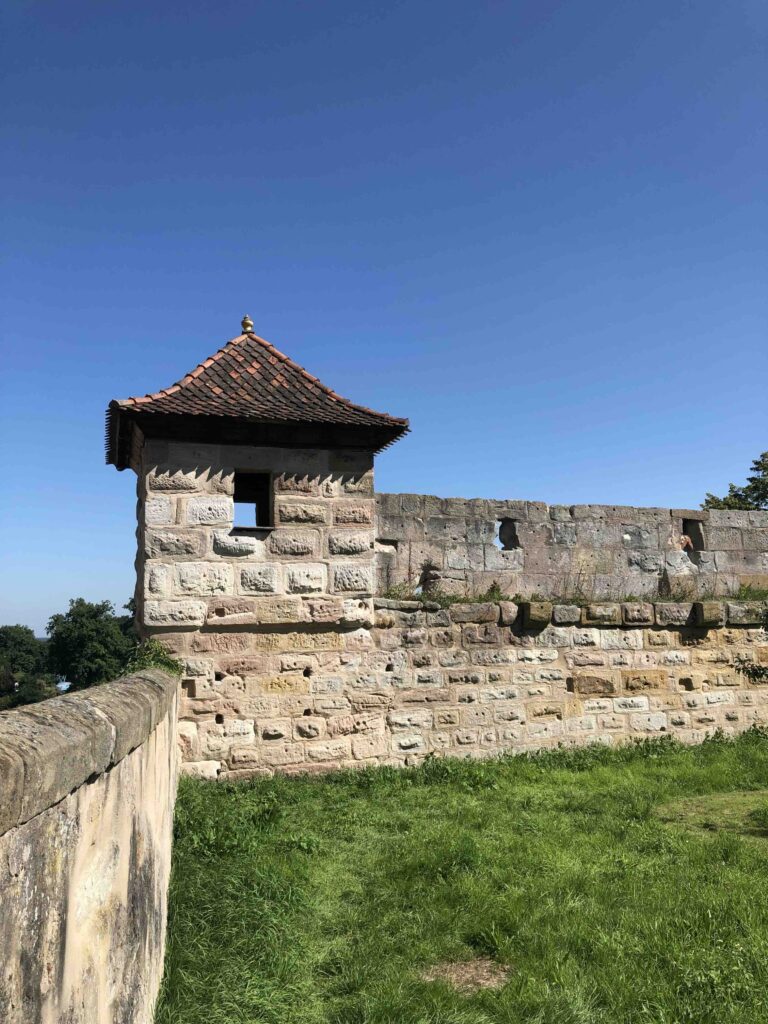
point(305, 901)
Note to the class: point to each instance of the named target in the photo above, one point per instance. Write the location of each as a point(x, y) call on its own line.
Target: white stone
point(204, 579)
point(158, 512)
point(238, 546)
point(260, 579)
point(174, 613)
point(305, 579)
point(352, 578)
point(209, 511)
point(201, 769)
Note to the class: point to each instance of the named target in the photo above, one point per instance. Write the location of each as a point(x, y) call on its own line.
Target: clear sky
point(536, 228)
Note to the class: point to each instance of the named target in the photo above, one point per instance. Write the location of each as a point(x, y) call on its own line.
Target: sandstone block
point(637, 613)
point(624, 704)
point(674, 613)
point(305, 579)
point(293, 544)
point(601, 614)
point(236, 545)
point(349, 578)
point(209, 511)
point(260, 579)
point(536, 614)
point(484, 612)
point(747, 613)
point(709, 613)
point(369, 746)
point(158, 511)
point(589, 684)
point(174, 481)
point(507, 612)
point(642, 680)
point(157, 579)
point(328, 750)
point(159, 543)
point(301, 512)
point(309, 728)
point(288, 483)
point(654, 722)
point(174, 613)
point(246, 611)
point(566, 614)
point(201, 579)
point(346, 514)
point(348, 542)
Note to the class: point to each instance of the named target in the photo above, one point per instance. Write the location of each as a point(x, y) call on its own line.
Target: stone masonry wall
point(261, 619)
point(86, 818)
point(604, 551)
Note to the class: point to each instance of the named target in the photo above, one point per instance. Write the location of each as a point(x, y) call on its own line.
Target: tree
point(24, 674)
point(753, 495)
point(89, 644)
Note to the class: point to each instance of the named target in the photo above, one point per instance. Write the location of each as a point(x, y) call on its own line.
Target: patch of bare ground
point(469, 975)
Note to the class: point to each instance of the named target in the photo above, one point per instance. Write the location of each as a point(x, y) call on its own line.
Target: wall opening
point(253, 501)
point(694, 530)
point(505, 536)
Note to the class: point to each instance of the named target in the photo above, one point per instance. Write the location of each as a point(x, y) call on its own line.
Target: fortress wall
point(89, 782)
point(603, 551)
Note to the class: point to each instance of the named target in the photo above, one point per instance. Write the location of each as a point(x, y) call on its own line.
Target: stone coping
point(48, 750)
point(539, 614)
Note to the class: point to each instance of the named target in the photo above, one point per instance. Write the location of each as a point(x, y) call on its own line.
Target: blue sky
point(536, 228)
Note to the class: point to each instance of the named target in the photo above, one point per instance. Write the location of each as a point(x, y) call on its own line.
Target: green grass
point(621, 887)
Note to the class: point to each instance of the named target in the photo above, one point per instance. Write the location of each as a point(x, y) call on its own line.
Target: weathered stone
point(201, 579)
point(507, 612)
point(641, 680)
point(305, 579)
point(301, 513)
point(536, 614)
point(209, 511)
point(709, 613)
point(747, 613)
point(587, 684)
point(485, 612)
point(244, 611)
point(566, 614)
point(674, 613)
point(347, 542)
point(174, 481)
point(345, 514)
point(236, 545)
point(174, 613)
point(352, 578)
point(637, 613)
point(260, 579)
point(293, 544)
point(158, 511)
point(159, 543)
point(601, 614)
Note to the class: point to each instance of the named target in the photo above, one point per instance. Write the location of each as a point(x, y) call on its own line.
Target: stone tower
point(255, 544)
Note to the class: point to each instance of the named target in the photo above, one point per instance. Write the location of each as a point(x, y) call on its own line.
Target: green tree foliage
point(24, 674)
point(753, 495)
point(90, 644)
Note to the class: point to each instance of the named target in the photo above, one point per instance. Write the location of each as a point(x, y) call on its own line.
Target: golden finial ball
point(247, 325)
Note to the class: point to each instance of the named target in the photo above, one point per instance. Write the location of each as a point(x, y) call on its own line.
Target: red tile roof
point(249, 380)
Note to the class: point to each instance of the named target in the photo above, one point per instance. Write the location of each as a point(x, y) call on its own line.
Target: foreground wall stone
point(88, 786)
point(527, 547)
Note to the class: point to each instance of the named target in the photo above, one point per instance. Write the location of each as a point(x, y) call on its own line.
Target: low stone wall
point(474, 680)
point(604, 551)
point(86, 814)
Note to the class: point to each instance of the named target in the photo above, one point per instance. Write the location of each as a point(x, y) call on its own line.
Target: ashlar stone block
point(209, 511)
point(203, 579)
point(174, 613)
point(305, 579)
